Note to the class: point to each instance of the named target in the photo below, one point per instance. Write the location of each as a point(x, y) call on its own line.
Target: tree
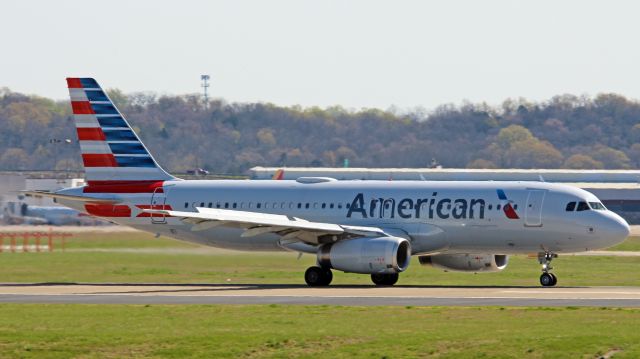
point(481, 163)
point(582, 162)
point(610, 158)
point(14, 159)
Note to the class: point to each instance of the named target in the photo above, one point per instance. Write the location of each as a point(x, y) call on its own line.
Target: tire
point(327, 276)
point(314, 276)
point(555, 279)
point(546, 280)
point(386, 279)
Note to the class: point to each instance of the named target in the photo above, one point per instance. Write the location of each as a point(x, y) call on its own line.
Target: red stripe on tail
point(99, 160)
point(124, 187)
point(108, 210)
point(91, 134)
point(82, 108)
point(73, 83)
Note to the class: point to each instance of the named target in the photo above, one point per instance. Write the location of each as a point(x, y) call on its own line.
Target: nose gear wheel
point(547, 279)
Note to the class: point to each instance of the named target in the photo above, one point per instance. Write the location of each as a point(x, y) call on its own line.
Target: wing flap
point(254, 223)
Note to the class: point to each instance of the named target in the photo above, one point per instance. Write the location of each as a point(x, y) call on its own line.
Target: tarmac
point(151, 293)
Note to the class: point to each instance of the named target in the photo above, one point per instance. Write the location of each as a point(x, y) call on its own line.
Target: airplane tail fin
point(112, 153)
point(279, 175)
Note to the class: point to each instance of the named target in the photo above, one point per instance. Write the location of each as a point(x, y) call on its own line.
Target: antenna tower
point(205, 87)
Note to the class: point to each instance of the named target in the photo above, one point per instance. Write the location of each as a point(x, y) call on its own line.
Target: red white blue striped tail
point(112, 153)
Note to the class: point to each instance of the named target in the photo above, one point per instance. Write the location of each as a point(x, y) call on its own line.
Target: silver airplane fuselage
point(437, 217)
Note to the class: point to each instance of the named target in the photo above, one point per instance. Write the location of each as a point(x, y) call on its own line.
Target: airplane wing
point(290, 228)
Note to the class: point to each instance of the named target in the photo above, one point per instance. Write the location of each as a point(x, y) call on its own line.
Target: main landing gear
point(318, 276)
point(384, 279)
point(321, 277)
point(547, 279)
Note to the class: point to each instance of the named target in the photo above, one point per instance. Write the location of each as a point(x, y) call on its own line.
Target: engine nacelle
point(467, 262)
point(367, 255)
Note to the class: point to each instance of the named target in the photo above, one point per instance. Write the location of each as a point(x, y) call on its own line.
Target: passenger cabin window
point(571, 206)
point(583, 206)
point(597, 206)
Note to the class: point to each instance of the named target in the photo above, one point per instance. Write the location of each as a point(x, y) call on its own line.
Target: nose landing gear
point(547, 279)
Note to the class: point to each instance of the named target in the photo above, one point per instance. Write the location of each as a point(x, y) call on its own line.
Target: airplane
point(366, 227)
point(23, 213)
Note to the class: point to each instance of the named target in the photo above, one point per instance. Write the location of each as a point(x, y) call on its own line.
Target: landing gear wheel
point(386, 279)
point(548, 280)
point(328, 276)
point(318, 277)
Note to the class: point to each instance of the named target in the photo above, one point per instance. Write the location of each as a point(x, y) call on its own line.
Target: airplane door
point(158, 201)
point(533, 210)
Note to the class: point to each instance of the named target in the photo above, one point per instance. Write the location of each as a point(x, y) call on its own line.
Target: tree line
point(184, 133)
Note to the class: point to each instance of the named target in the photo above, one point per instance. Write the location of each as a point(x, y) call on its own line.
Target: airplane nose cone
point(617, 230)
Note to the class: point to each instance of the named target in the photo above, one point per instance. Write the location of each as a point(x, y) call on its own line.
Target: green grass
point(93, 240)
point(274, 331)
point(186, 265)
point(631, 244)
point(214, 331)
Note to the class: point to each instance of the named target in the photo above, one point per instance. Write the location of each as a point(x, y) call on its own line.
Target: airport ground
point(331, 329)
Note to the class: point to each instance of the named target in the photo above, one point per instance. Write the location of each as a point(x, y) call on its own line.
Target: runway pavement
point(334, 295)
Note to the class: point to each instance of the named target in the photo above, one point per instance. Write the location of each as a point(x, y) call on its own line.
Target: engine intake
point(467, 262)
point(367, 255)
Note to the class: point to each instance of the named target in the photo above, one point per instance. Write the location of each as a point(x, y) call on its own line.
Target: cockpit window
point(583, 206)
point(597, 206)
point(571, 206)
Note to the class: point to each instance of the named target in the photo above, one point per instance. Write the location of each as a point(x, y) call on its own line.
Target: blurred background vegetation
point(184, 133)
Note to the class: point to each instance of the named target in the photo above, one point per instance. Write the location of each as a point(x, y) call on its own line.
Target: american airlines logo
point(507, 206)
point(433, 207)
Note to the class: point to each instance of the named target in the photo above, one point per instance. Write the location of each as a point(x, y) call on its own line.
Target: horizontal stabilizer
point(69, 197)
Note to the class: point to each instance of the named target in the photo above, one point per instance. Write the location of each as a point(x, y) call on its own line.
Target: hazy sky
point(351, 53)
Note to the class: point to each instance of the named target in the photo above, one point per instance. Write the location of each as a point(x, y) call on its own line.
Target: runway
point(109, 293)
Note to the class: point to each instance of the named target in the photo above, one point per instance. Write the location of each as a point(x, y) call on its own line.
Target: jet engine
point(467, 262)
point(367, 255)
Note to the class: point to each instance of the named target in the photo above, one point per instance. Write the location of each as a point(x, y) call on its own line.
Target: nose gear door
point(533, 210)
